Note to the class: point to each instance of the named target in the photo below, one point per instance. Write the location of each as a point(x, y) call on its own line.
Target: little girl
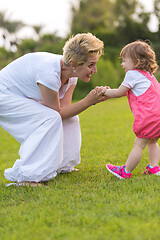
point(143, 92)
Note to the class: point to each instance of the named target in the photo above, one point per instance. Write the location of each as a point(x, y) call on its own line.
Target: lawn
point(90, 204)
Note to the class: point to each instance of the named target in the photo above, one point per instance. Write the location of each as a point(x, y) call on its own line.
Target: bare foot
point(66, 171)
point(76, 169)
point(29, 184)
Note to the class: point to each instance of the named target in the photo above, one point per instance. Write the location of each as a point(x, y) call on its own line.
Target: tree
point(157, 11)
point(9, 30)
point(51, 43)
point(38, 29)
point(131, 20)
point(92, 16)
point(45, 43)
point(116, 22)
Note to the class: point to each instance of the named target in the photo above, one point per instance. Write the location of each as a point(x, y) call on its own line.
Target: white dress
point(48, 144)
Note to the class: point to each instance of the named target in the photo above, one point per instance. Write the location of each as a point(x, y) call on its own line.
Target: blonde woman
point(35, 108)
point(143, 91)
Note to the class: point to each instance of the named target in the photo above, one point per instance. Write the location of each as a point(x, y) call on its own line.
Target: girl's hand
point(96, 96)
point(107, 87)
point(101, 90)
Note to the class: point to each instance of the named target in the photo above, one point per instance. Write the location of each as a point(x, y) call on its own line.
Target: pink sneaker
point(152, 170)
point(118, 171)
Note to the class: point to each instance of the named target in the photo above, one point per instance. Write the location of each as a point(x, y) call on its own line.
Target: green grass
point(90, 204)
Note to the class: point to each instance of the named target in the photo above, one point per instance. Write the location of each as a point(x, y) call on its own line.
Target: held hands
point(101, 90)
point(98, 95)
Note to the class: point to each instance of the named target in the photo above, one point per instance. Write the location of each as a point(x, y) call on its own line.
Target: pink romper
point(146, 109)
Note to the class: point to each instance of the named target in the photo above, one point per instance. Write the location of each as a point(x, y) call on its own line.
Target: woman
point(35, 108)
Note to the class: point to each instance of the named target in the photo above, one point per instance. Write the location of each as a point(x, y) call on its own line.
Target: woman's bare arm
point(50, 99)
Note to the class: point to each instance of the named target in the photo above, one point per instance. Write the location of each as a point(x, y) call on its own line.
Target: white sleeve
point(129, 79)
point(49, 80)
point(126, 85)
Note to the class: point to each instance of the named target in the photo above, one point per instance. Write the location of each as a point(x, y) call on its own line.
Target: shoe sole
point(115, 174)
point(157, 174)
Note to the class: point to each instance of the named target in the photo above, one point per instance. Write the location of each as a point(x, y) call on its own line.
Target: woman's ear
point(73, 66)
point(62, 63)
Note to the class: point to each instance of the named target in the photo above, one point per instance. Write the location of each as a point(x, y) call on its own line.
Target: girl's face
point(127, 64)
point(85, 70)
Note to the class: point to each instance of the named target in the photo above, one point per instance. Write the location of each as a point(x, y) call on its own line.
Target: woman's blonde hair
point(142, 55)
point(79, 47)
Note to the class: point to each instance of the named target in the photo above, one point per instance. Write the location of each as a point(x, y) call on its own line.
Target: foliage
point(91, 16)
point(156, 47)
point(45, 43)
point(26, 46)
point(9, 30)
point(90, 204)
point(5, 57)
point(116, 22)
point(51, 43)
point(38, 29)
point(132, 21)
point(157, 11)
point(119, 21)
point(157, 75)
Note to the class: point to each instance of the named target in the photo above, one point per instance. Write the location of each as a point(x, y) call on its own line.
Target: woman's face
point(85, 70)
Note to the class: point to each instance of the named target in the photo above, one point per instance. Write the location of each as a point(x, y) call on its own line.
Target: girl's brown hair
point(141, 54)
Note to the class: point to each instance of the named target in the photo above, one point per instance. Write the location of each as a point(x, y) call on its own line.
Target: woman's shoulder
point(73, 81)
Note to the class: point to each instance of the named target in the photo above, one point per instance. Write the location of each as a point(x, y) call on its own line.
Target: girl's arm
point(116, 93)
point(50, 99)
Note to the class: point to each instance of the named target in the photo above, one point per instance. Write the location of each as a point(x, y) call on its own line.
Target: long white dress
point(48, 144)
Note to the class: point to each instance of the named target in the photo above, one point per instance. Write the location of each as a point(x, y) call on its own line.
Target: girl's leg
point(136, 153)
point(154, 152)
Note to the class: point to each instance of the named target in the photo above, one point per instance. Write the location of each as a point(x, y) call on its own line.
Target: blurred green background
point(116, 22)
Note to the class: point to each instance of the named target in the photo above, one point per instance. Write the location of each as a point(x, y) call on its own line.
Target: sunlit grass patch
point(90, 204)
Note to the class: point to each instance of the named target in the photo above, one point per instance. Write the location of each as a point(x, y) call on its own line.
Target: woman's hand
point(97, 95)
point(101, 89)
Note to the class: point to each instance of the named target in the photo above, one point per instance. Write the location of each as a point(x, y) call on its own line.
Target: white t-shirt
point(137, 82)
point(25, 72)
